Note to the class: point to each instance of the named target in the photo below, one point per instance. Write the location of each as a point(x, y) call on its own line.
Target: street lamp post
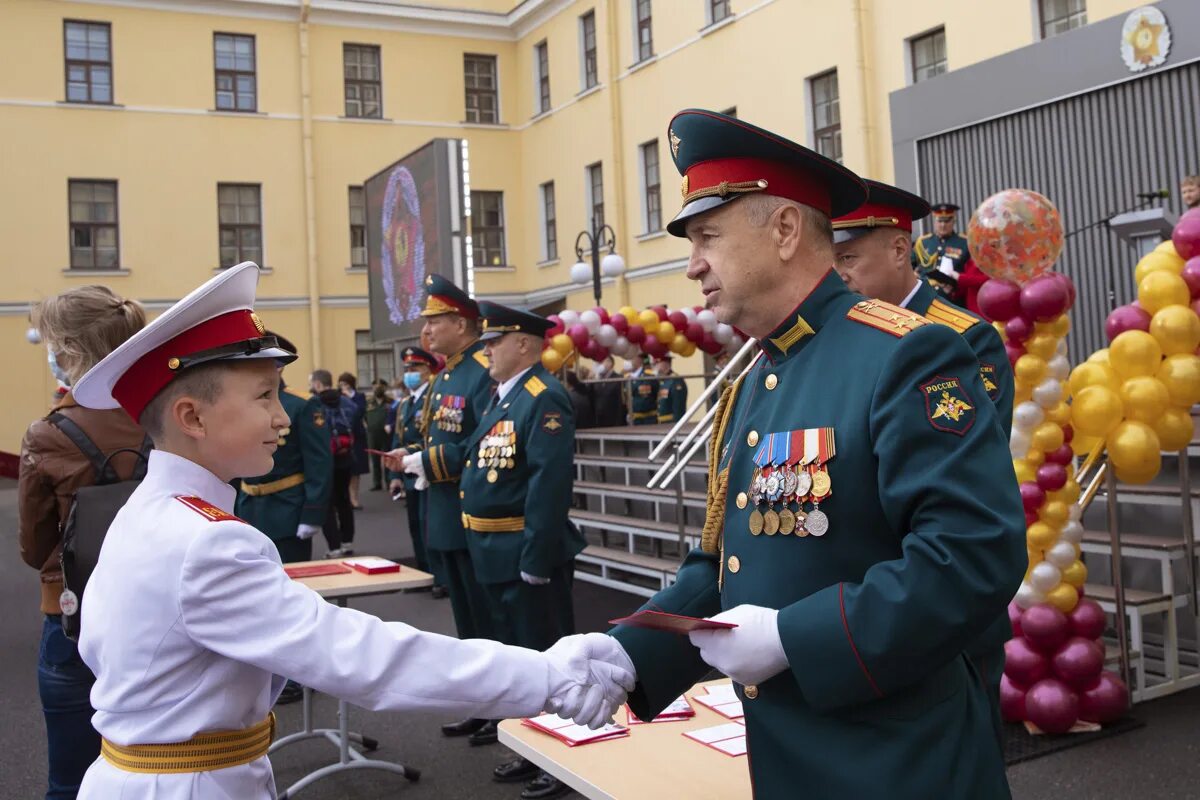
point(612, 265)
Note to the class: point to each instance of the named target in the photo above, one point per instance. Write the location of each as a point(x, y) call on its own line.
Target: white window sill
point(541, 115)
point(589, 91)
point(229, 112)
point(87, 272)
point(548, 263)
point(716, 26)
point(486, 125)
point(356, 270)
point(261, 270)
point(384, 120)
point(88, 104)
point(651, 236)
point(645, 62)
point(501, 268)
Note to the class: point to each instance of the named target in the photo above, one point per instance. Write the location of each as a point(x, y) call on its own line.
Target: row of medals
point(497, 451)
point(449, 419)
point(787, 485)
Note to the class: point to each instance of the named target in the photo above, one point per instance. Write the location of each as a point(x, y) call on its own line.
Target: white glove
point(590, 675)
point(305, 532)
point(534, 580)
point(413, 465)
point(749, 653)
point(421, 484)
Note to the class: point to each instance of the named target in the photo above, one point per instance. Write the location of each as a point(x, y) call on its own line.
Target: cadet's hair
point(323, 377)
point(1191, 180)
point(348, 379)
point(84, 325)
point(203, 382)
point(760, 207)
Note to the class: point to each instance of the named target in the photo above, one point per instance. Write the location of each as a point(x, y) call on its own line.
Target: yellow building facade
point(176, 104)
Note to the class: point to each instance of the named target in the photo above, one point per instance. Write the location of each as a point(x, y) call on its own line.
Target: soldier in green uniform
point(871, 246)
point(643, 394)
point(941, 256)
point(672, 392)
point(419, 367)
point(864, 525)
point(516, 489)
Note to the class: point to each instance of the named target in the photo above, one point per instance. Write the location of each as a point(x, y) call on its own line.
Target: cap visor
point(488, 336)
point(850, 234)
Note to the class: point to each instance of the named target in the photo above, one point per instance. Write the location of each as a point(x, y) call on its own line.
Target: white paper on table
point(734, 747)
point(679, 706)
point(732, 710)
point(717, 733)
point(567, 728)
point(721, 693)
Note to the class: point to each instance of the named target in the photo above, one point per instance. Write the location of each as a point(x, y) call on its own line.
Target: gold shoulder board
point(482, 359)
point(534, 385)
point(943, 313)
point(886, 317)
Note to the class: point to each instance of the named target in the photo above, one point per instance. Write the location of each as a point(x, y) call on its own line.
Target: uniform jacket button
point(742, 500)
point(772, 381)
point(752, 439)
point(735, 564)
point(751, 691)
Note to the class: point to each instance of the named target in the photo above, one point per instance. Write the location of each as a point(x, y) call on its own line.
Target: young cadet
point(419, 367)
point(672, 392)
point(863, 522)
point(172, 618)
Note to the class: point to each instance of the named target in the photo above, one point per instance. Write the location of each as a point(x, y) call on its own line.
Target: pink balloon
point(1014, 351)
point(654, 347)
point(1106, 701)
point(1088, 620)
point(1012, 700)
point(1031, 517)
point(678, 319)
point(1051, 477)
point(1069, 285)
point(661, 311)
point(635, 333)
point(694, 332)
point(1014, 618)
point(1078, 662)
point(1126, 318)
point(579, 335)
point(1023, 664)
point(1032, 495)
point(1044, 298)
point(602, 313)
point(999, 300)
point(621, 324)
point(1052, 706)
point(1068, 433)
point(599, 352)
point(556, 326)
point(1062, 455)
point(1045, 628)
point(1186, 235)
point(1191, 275)
point(1018, 329)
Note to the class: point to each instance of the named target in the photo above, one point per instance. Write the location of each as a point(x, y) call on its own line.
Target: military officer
point(643, 394)
point(672, 392)
point(941, 256)
point(289, 503)
point(516, 491)
point(871, 245)
point(419, 368)
point(863, 521)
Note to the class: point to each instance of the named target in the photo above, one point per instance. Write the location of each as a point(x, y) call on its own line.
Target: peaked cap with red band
point(443, 297)
point(886, 207)
point(417, 357)
point(214, 323)
point(723, 158)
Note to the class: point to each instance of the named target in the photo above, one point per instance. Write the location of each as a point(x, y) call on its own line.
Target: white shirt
point(503, 389)
point(187, 621)
point(420, 390)
point(912, 293)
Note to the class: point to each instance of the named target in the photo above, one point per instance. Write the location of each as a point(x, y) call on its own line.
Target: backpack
point(341, 440)
point(93, 509)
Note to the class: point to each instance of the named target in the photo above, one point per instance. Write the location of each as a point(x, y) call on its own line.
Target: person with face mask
point(419, 366)
point(609, 402)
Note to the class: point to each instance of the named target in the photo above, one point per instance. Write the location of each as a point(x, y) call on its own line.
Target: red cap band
point(882, 214)
point(783, 180)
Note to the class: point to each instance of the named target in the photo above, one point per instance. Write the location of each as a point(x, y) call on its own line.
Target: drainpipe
point(863, 66)
point(310, 194)
point(614, 102)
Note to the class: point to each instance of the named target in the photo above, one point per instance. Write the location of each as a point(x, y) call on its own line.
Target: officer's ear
point(899, 249)
point(787, 230)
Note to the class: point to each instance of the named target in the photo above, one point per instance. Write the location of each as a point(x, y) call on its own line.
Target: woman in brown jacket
point(79, 328)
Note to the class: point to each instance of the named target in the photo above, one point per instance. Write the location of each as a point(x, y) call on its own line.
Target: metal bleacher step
point(636, 573)
point(609, 490)
point(695, 467)
point(1133, 597)
point(1133, 541)
point(622, 523)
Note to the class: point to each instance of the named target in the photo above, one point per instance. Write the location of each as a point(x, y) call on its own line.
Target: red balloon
point(1052, 706)
point(1032, 495)
point(1014, 618)
point(1078, 662)
point(579, 335)
point(999, 300)
point(710, 346)
point(1191, 276)
point(1031, 517)
point(678, 319)
point(1018, 329)
point(1186, 235)
point(1012, 700)
point(1024, 664)
point(654, 347)
point(619, 322)
point(1088, 620)
point(1044, 298)
point(1051, 477)
point(1062, 455)
point(694, 332)
point(556, 326)
point(1126, 318)
point(1014, 351)
point(1045, 628)
point(635, 333)
point(599, 352)
point(661, 311)
point(1068, 284)
point(1068, 433)
point(1106, 701)
point(602, 313)
point(589, 350)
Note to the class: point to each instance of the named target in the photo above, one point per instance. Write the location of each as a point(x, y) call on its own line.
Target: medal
point(770, 522)
point(803, 484)
point(493, 476)
point(787, 521)
point(512, 463)
point(756, 522)
point(801, 519)
point(821, 484)
point(68, 602)
point(817, 523)
point(790, 483)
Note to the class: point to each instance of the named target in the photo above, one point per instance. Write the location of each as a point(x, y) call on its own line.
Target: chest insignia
point(450, 413)
point(791, 478)
point(498, 449)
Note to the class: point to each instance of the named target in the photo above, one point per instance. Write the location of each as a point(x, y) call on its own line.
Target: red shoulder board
point(207, 509)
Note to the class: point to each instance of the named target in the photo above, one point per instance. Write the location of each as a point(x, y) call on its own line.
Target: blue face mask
point(59, 373)
point(412, 380)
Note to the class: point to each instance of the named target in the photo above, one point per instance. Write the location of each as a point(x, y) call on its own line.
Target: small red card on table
point(316, 570)
point(372, 565)
point(670, 623)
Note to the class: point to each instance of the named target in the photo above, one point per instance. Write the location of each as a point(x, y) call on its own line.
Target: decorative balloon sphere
point(665, 332)
point(1012, 700)
point(1061, 555)
point(1014, 618)
point(1044, 577)
point(1135, 353)
point(678, 319)
point(1078, 662)
point(1040, 535)
point(1176, 329)
point(648, 319)
point(562, 344)
point(636, 334)
point(1052, 706)
point(620, 323)
point(1186, 235)
point(590, 320)
point(999, 300)
point(1181, 375)
point(1015, 235)
point(1174, 429)
point(1106, 701)
point(1042, 345)
point(1088, 620)
point(1145, 398)
point(579, 335)
point(1096, 410)
point(1162, 288)
point(1045, 628)
point(1051, 477)
point(1075, 575)
point(568, 317)
point(1028, 597)
point(1155, 261)
point(1030, 369)
point(1134, 447)
point(1023, 664)
point(1061, 456)
point(1126, 318)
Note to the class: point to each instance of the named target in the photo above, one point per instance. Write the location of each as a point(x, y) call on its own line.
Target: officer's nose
point(697, 266)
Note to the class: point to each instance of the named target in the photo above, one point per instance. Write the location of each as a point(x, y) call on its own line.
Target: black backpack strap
point(75, 433)
point(139, 472)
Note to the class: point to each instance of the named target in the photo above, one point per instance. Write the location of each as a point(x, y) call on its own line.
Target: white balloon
point(1072, 532)
point(736, 343)
point(1059, 367)
point(706, 318)
point(723, 333)
point(1027, 416)
point(1019, 443)
point(1027, 596)
point(1062, 554)
point(568, 317)
point(590, 320)
point(1044, 576)
point(689, 312)
point(1061, 347)
point(606, 335)
point(1048, 393)
point(621, 347)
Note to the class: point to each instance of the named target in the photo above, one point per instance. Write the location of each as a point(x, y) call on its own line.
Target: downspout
point(310, 194)
point(862, 64)
point(614, 102)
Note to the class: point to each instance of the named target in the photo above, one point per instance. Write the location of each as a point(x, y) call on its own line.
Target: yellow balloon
point(1181, 375)
point(1177, 330)
point(629, 313)
point(1060, 414)
point(1145, 398)
point(1053, 513)
point(1167, 246)
point(1060, 326)
point(1040, 536)
point(1075, 575)
point(1064, 597)
point(1083, 444)
point(1174, 429)
point(1035, 557)
point(552, 359)
point(679, 343)
point(1160, 289)
point(1156, 261)
point(689, 350)
point(1125, 475)
point(1047, 437)
point(1069, 494)
point(1043, 345)
point(1135, 353)
point(1099, 357)
point(1025, 472)
point(1133, 447)
point(562, 344)
point(665, 332)
point(1092, 373)
point(1096, 410)
point(1030, 369)
point(1035, 457)
point(648, 320)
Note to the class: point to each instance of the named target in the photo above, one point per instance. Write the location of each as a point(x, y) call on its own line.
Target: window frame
point(87, 64)
point(494, 61)
point(549, 222)
point(591, 172)
point(651, 192)
point(361, 82)
point(588, 57)
point(713, 6)
point(835, 129)
point(235, 73)
point(478, 243)
point(360, 228)
point(915, 68)
point(367, 348)
point(238, 227)
point(1069, 17)
point(92, 226)
point(641, 23)
point(541, 76)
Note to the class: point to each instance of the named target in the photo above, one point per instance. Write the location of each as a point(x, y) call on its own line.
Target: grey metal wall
point(1090, 154)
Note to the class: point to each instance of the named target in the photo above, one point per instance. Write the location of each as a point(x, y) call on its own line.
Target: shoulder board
point(207, 510)
point(482, 359)
point(943, 313)
point(534, 385)
point(886, 317)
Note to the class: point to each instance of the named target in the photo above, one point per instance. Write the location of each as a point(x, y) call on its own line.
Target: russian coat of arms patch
point(947, 405)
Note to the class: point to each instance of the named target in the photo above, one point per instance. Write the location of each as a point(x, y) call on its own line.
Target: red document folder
point(670, 623)
point(315, 571)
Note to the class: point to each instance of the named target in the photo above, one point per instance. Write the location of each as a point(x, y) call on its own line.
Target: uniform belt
point(493, 524)
point(204, 752)
point(666, 417)
point(271, 487)
point(644, 414)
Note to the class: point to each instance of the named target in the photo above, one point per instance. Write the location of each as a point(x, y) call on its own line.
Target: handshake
point(590, 675)
point(400, 460)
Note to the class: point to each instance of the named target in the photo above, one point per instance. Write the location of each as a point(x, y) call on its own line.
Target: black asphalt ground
point(1161, 760)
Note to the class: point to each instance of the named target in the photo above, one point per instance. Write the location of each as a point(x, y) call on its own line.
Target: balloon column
point(628, 333)
point(1054, 666)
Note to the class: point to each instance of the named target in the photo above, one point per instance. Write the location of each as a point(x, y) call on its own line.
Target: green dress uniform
point(407, 434)
point(929, 250)
point(643, 399)
point(296, 490)
point(860, 484)
point(672, 399)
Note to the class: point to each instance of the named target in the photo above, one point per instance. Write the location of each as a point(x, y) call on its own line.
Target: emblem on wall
point(1145, 39)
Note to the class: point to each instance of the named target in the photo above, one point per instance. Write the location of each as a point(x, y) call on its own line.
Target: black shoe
point(544, 786)
point(464, 728)
point(291, 693)
point(516, 771)
point(439, 592)
point(488, 734)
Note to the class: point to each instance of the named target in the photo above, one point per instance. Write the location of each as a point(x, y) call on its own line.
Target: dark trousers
point(339, 520)
point(292, 549)
point(471, 607)
point(412, 504)
point(64, 683)
point(533, 616)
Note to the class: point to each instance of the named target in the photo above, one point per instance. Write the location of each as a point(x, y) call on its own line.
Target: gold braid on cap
point(866, 222)
point(722, 189)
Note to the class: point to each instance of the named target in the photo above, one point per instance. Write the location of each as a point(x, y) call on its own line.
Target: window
point(374, 360)
point(487, 228)
point(541, 55)
point(718, 10)
point(479, 75)
point(644, 36)
point(652, 189)
point(827, 118)
point(239, 216)
point(595, 198)
point(358, 227)
point(549, 223)
point(928, 55)
point(233, 56)
point(360, 66)
point(1060, 16)
point(587, 37)
point(88, 50)
point(93, 210)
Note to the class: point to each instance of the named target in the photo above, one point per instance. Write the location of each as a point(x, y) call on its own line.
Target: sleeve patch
point(987, 372)
point(207, 510)
point(534, 385)
point(319, 419)
point(552, 422)
point(948, 407)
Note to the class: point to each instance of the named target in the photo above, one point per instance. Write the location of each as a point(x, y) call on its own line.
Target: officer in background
point(672, 392)
point(516, 489)
point(941, 256)
point(419, 367)
point(643, 394)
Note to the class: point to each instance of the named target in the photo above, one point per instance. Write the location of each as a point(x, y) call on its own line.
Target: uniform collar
point(503, 389)
point(920, 301)
point(911, 297)
point(176, 476)
point(454, 360)
point(420, 390)
point(814, 312)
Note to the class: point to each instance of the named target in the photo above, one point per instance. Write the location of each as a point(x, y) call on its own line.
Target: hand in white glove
point(534, 580)
point(413, 465)
point(307, 531)
point(590, 676)
point(421, 484)
point(749, 653)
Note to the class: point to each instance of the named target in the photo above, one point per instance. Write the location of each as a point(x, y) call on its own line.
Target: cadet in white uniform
point(172, 617)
